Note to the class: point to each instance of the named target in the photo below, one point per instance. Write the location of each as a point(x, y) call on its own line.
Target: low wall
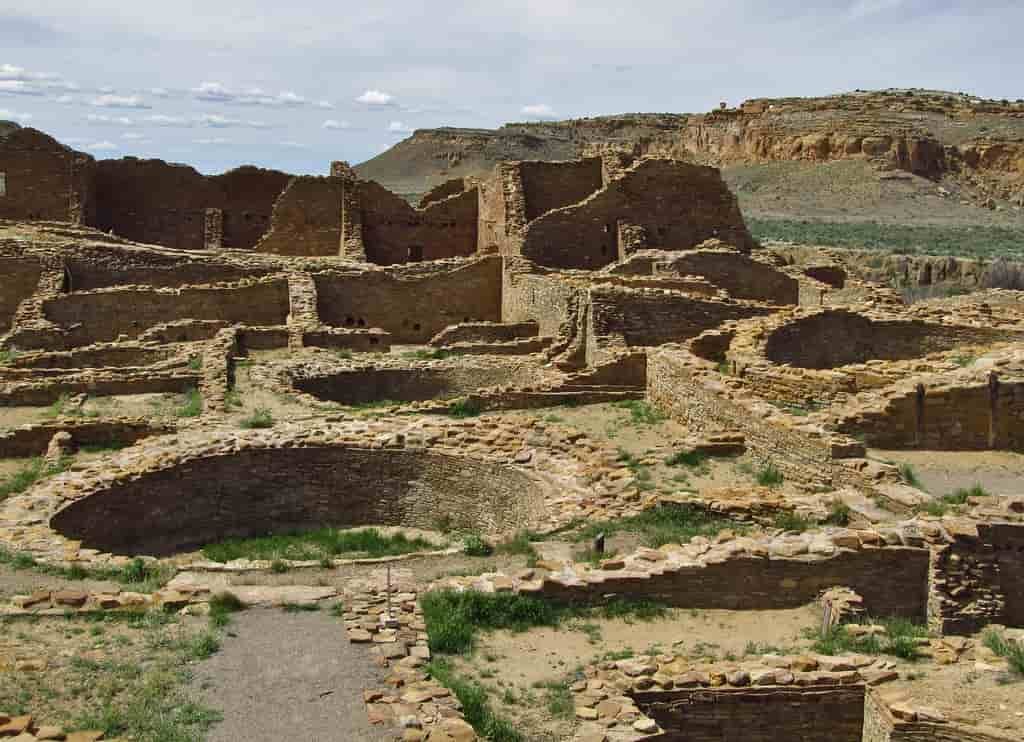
point(33, 440)
point(20, 278)
point(775, 714)
point(255, 492)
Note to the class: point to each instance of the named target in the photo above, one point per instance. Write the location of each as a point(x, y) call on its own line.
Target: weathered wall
point(532, 295)
point(414, 303)
point(811, 342)
point(165, 204)
point(91, 268)
point(306, 218)
point(101, 316)
point(44, 179)
point(18, 280)
point(395, 232)
point(485, 332)
point(256, 492)
point(881, 726)
point(502, 211)
point(554, 185)
point(33, 440)
point(678, 205)
point(776, 714)
point(741, 276)
point(892, 581)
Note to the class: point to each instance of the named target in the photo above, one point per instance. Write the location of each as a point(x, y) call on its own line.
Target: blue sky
point(296, 85)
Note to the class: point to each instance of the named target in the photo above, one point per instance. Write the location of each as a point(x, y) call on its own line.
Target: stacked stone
point(409, 699)
point(26, 728)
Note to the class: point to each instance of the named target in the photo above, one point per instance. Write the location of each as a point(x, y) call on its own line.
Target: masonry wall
point(535, 296)
point(97, 268)
point(880, 726)
point(306, 218)
point(892, 581)
point(412, 303)
point(554, 185)
point(255, 492)
point(165, 204)
point(645, 318)
point(44, 179)
point(810, 342)
point(775, 714)
point(702, 406)
point(33, 440)
point(102, 316)
point(738, 274)
point(502, 211)
point(395, 232)
point(19, 278)
point(678, 205)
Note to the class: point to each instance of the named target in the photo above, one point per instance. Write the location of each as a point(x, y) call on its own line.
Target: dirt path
point(284, 675)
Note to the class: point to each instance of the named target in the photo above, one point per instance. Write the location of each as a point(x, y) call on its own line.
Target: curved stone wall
point(260, 491)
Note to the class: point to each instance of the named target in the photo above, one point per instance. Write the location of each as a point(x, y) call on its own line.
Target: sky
point(295, 85)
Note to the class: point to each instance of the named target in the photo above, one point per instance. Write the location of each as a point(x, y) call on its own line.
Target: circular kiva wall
point(839, 338)
point(261, 491)
point(358, 386)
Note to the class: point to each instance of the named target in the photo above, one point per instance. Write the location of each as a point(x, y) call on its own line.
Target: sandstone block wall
point(555, 185)
point(776, 714)
point(274, 491)
point(678, 205)
point(44, 179)
point(738, 274)
point(534, 295)
point(306, 218)
point(20, 277)
point(100, 316)
point(165, 204)
point(412, 303)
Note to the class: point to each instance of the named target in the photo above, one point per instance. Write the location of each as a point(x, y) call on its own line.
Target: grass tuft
point(316, 544)
point(476, 707)
point(666, 523)
point(839, 514)
point(260, 418)
point(900, 640)
point(1010, 650)
point(463, 408)
point(192, 406)
point(769, 475)
point(476, 545)
point(34, 471)
point(641, 412)
point(909, 476)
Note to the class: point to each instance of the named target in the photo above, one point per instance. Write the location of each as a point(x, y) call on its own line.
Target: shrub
point(666, 523)
point(260, 418)
point(316, 544)
point(192, 405)
point(8, 355)
point(787, 520)
point(900, 639)
point(839, 514)
point(475, 545)
point(1012, 651)
point(195, 363)
point(692, 459)
point(462, 408)
point(222, 605)
point(770, 475)
point(424, 354)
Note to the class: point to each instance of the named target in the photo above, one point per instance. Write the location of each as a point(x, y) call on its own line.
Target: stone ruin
point(544, 284)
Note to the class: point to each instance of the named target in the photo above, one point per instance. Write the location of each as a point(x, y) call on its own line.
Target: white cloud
point(16, 80)
point(64, 99)
point(397, 127)
point(376, 98)
point(8, 115)
point(212, 142)
point(103, 146)
point(539, 111)
point(133, 135)
point(336, 125)
point(160, 119)
point(293, 145)
point(99, 118)
point(108, 100)
point(20, 87)
point(324, 104)
point(215, 92)
point(217, 121)
point(159, 92)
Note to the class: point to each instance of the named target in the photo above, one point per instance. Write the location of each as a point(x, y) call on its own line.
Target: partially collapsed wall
point(41, 179)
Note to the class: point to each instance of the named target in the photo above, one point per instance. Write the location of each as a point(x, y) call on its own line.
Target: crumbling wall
point(255, 492)
point(740, 275)
point(306, 218)
point(532, 294)
point(18, 280)
point(394, 232)
point(678, 205)
point(775, 714)
point(502, 211)
point(166, 204)
point(555, 185)
point(43, 179)
point(412, 303)
point(101, 316)
point(485, 332)
point(445, 190)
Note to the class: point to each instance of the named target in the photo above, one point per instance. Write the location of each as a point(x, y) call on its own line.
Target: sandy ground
point(942, 472)
point(289, 676)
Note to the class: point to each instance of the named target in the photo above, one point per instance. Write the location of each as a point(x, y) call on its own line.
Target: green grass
point(1010, 650)
point(558, 699)
point(692, 459)
point(900, 639)
point(8, 356)
point(475, 545)
point(667, 523)
point(521, 545)
point(769, 475)
point(787, 520)
point(476, 707)
point(260, 418)
point(953, 501)
point(111, 445)
point(222, 605)
point(909, 476)
point(136, 576)
point(640, 412)
point(61, 407)
point(839, 514)
point(455, 618)
point(969, 241)
point(35, 470)
point(192, 406)
point(462, 408)
point(316, 544)
point(195, 363)
point(423, 354)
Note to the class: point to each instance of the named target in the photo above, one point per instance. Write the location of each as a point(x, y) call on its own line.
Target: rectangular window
point(3, 184)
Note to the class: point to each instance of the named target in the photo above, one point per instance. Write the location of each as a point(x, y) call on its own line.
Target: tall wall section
point(41, 179)
point(677, 205)
point(160, 203)
point(306, 218)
